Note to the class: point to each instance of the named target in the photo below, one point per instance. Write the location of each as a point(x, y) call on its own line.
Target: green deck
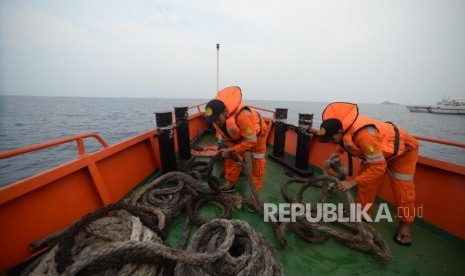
point(433, 252)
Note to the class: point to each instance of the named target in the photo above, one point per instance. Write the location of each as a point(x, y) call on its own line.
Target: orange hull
point(38, 206)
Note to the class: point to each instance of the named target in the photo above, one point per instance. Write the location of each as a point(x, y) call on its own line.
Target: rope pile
point(226, 203)
point(188, 192)
point(240, 249)
point(170, 200)
point(98, 231)
point(126, 243)
point(362, 237)
point(255, 203)
point(126, 238)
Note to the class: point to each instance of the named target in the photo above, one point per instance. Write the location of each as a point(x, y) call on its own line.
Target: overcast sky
point(360, 51)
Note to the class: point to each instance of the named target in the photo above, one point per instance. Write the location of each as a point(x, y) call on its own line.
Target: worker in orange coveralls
point(389, 155)
point(240, 128)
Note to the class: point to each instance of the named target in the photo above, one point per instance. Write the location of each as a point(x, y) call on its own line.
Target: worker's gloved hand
point(226, 153)
point(335, 155)
point(313, 131)
point(222, 145)
point(346, 185)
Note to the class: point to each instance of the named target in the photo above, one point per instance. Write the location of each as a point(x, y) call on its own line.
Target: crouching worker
point(240, 128)
point(389, 154)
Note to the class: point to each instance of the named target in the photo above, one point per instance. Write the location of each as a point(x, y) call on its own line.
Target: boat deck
point(433, 251)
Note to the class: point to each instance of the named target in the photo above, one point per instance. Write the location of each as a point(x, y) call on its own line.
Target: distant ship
point(389, 103)
point(446, 106)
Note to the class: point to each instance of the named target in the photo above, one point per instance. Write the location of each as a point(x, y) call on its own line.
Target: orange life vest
point(232, 99)
point(392, 137)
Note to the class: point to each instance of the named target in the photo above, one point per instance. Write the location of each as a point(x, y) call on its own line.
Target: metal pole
point(182, 132)
point(280, 132)
point(217, 67)
point(303, 141)
point(166, 140)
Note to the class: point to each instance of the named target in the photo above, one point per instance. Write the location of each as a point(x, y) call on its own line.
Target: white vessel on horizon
point(446, 106)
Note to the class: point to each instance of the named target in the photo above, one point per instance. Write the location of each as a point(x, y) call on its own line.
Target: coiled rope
point(99, 230)
point(219, 247)
point(126, 238)
point(248, 253)
point(362, 237)
point(171, 200)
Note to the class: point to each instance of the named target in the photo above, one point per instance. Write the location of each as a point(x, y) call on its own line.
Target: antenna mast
point(217, 67)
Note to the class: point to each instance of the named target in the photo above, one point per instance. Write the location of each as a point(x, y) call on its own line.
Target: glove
point(335, 155)
point(222, 145)
point(226, 153)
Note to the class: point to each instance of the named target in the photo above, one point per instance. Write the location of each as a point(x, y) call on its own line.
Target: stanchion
point(303, 141)
point(182, 133)
point(166, 140)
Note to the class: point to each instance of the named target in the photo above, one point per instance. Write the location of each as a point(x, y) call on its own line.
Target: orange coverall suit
point(249, 140)
point(374, 142)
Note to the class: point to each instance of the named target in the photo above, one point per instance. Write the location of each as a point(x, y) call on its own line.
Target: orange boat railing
point(422, 138)
point(440, 141)
point(266, 110)
point(79, 138)
point(198, 107)
point(254, 107)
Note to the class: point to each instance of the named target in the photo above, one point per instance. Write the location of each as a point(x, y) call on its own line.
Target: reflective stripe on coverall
point(250, 140)
point(398, 172)
point(383, 161)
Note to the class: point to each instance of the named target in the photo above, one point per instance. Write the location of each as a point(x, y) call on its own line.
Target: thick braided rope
point(249, 253)
point(97, 230)
point(171, 200)
point(219, 247)
point(107, 244)
point(362, 236)
point(257, 204)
